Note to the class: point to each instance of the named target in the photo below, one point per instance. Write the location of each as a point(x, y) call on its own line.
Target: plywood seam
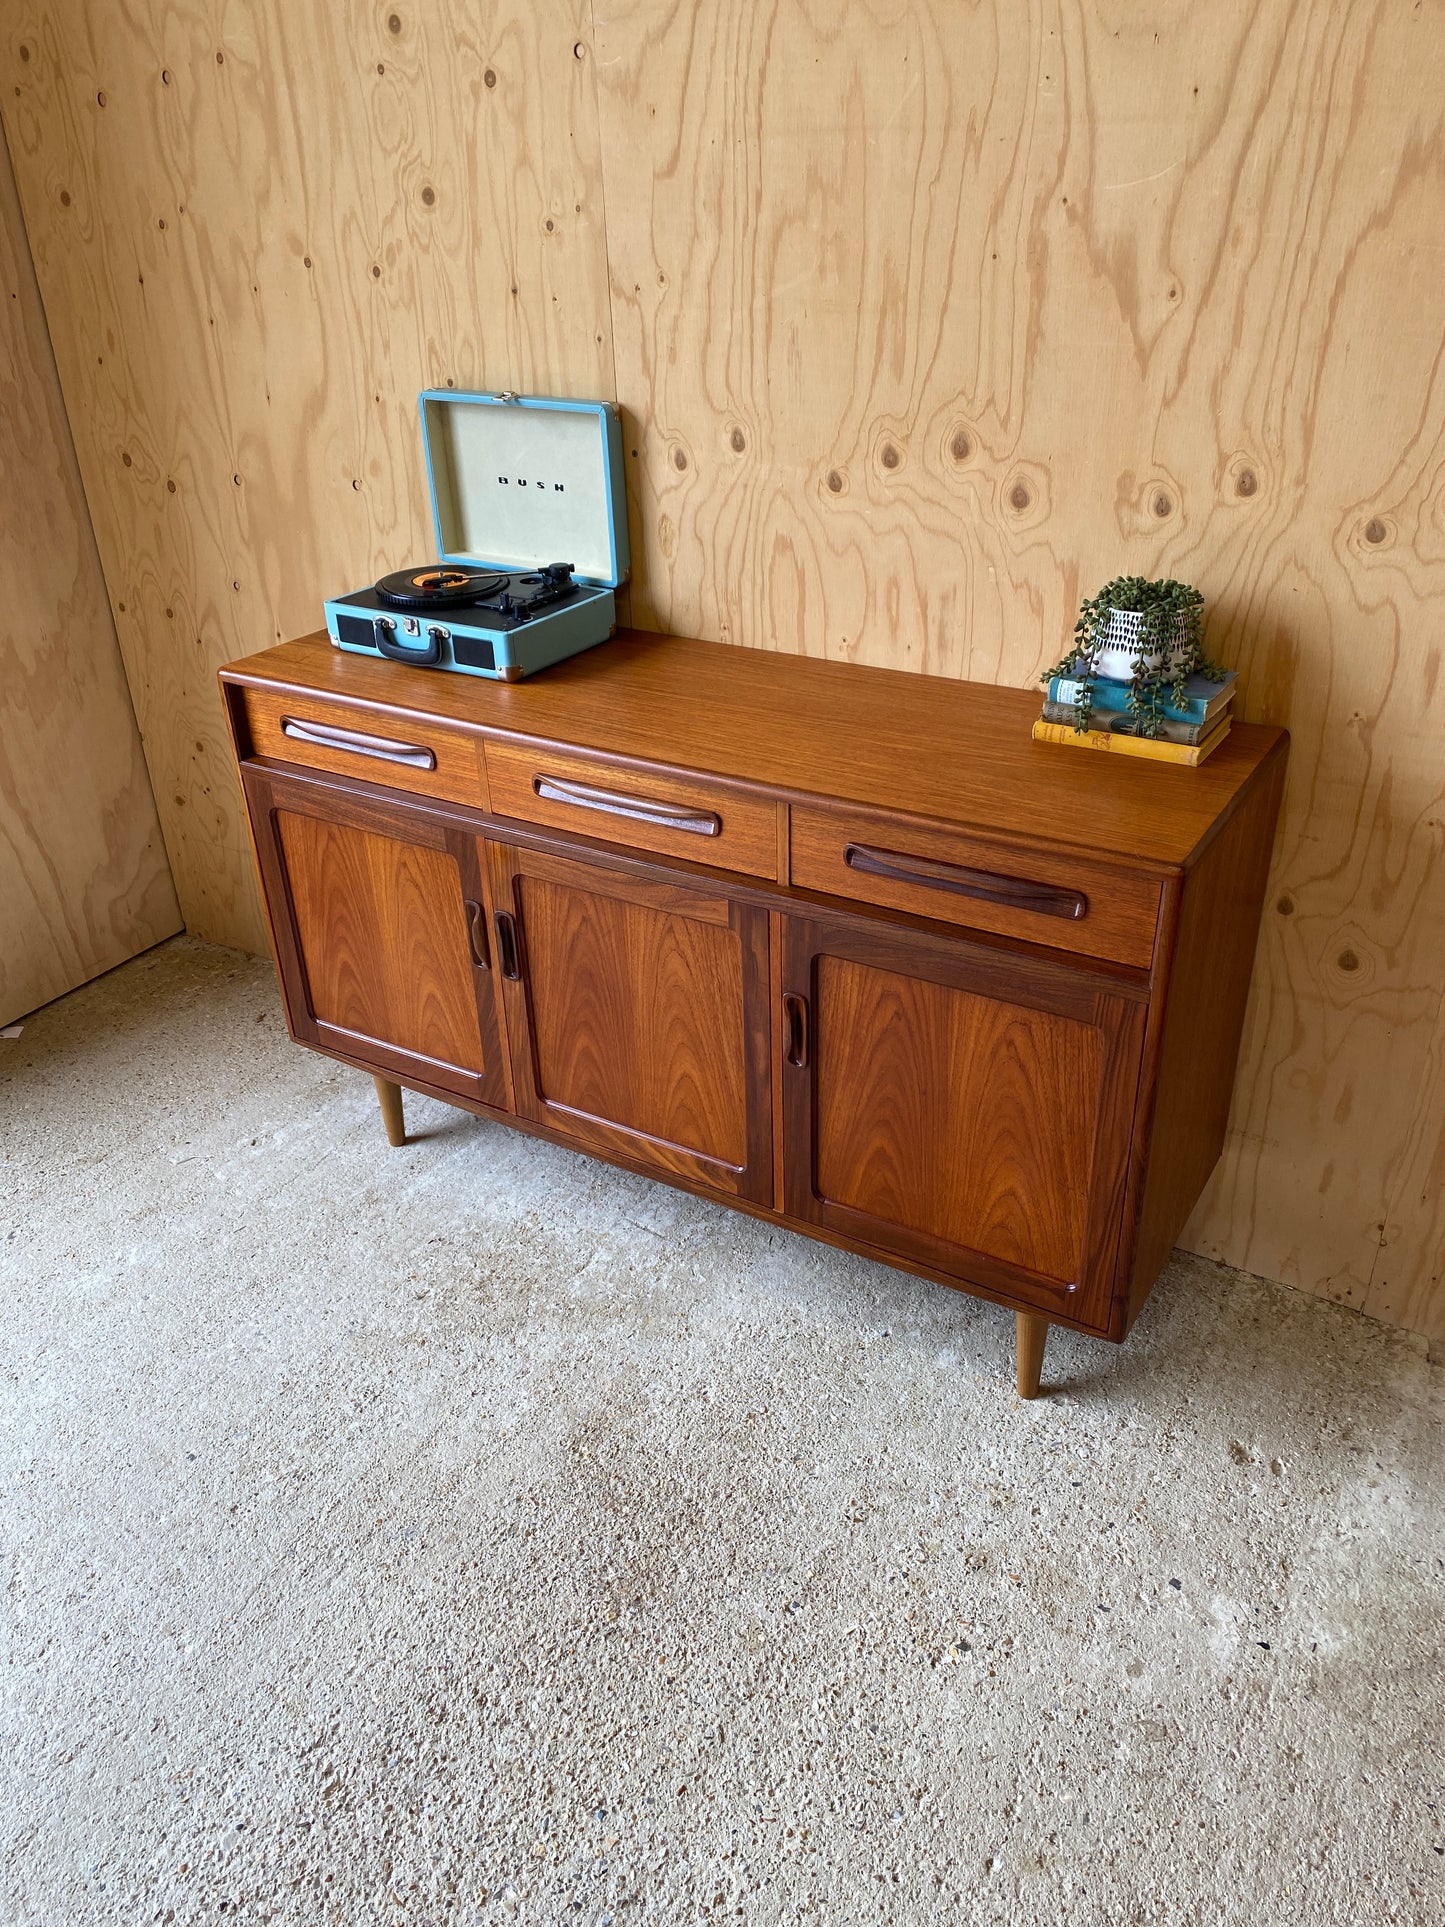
point(606, 244)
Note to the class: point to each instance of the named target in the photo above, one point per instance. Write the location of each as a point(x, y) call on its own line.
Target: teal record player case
point(518, 483)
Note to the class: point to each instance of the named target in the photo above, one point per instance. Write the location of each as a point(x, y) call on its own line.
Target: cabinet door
point(638, 1014)
point(378, 917)
point(967, 1109)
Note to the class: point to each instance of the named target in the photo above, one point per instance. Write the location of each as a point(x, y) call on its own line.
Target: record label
point(441, 586)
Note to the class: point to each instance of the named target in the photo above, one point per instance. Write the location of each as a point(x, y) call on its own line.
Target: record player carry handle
point(988, 886)
point(330, 736)
point(642, 809)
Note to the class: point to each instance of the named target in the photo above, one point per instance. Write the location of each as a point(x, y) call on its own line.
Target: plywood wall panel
point(932, 318)
point(83, 876)
point(260, 231)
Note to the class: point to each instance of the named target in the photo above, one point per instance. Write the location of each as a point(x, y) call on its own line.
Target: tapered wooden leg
point(1030, 1334)
point(388, 1095)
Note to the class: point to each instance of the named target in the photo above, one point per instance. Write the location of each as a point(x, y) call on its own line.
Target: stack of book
point(1190, 730)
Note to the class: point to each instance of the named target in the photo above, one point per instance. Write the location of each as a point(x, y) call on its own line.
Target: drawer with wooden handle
point(415, 754)
point(1051, 898)
point(688, 816)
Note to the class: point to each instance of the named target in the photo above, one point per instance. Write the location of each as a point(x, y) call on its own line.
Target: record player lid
point(517, 480)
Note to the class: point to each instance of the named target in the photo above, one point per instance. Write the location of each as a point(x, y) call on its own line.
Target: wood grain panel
point(648, 890)
point(382, 934)
point(84, 882)
point(639, 1019)
point(969, 1109)
point(966, 1118)
point(260, 231)
point(399, 886)
point(929, 318)
point(1206, 983)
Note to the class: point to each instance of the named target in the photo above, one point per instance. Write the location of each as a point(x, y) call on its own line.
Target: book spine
point(1170, 731)
point(1189, 755)
point(1115, 697)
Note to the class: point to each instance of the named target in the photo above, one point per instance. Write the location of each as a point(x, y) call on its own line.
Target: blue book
point(1203, 702)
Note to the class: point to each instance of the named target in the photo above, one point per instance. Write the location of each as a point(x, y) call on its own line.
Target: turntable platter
point(442, 585)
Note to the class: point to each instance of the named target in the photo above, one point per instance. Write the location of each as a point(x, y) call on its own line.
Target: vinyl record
point(442, 585)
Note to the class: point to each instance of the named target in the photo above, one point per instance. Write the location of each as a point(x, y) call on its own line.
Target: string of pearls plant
point(1150, 634)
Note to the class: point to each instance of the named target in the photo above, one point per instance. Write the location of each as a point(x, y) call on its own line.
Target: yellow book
point(1151, 747)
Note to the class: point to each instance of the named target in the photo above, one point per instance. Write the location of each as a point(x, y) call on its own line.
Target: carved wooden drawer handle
point(331, 736)
point(642, 809)
point(1015, 893)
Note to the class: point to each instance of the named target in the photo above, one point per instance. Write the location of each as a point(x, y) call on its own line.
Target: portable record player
point(517, 483)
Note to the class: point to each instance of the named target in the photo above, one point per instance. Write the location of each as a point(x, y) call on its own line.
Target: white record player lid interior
point(520, 481)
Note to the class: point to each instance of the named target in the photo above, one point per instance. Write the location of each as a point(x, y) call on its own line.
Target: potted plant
point(1149, 635)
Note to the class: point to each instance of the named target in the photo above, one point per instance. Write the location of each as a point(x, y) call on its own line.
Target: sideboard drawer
point(687, 816)
point(404, 753)
point(1053, 898)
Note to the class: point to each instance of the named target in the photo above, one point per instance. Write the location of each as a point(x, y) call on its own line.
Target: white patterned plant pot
point(1118, 658)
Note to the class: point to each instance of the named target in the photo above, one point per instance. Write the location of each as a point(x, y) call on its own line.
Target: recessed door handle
point(989, 886)
point(795, 1019)
point(642, 809)
point(331, 736)
point(477, 933)
point(508, 951)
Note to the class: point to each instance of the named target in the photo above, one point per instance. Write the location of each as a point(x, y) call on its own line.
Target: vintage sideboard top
point(925, 746)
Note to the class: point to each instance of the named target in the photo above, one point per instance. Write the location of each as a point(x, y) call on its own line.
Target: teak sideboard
point(838, 946)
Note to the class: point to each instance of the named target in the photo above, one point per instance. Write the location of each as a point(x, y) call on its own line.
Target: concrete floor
point(472, 1533)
